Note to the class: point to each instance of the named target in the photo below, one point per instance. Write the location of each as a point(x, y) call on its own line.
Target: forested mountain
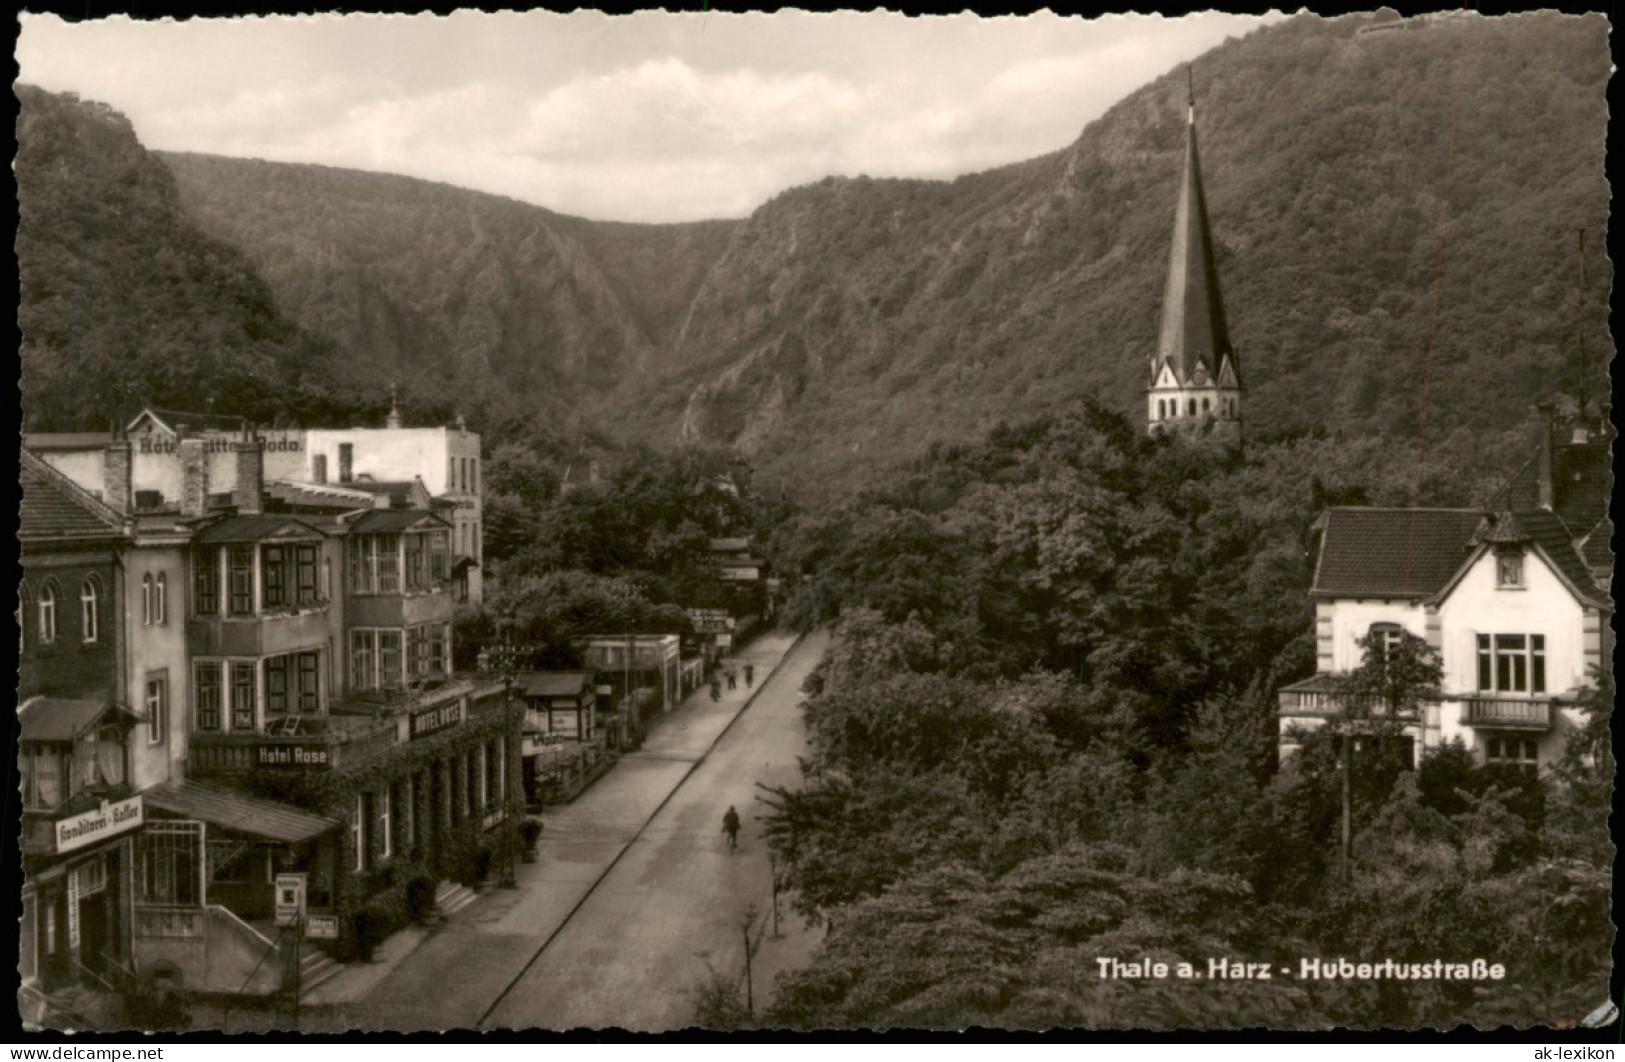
point(855, 320)
point(122, 300)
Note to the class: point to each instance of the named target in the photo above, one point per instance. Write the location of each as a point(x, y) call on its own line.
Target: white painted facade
point(1463, 623)
point(445, 459)
point(155, 660)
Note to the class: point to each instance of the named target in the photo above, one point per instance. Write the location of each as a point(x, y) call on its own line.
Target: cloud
point(647, 118)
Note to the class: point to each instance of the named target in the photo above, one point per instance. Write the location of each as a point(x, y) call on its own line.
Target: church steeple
point(1195, 376)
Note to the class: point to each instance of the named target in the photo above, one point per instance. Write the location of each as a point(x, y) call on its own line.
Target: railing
point(229, 916)
point(365, 747)
point(1509, 713)
point(170, 923)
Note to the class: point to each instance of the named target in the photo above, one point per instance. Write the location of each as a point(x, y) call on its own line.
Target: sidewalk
point(407, 986)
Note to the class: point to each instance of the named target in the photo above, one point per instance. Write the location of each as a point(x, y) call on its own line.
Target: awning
point(238, 812)
point(62, 719)
point(463, 561)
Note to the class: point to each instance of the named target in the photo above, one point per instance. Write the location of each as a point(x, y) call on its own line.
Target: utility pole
point(744, 929)
point(773, 868)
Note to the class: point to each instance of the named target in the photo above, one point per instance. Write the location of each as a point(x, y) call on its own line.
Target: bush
point(419, 897)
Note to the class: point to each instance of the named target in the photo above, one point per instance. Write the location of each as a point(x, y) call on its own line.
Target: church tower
point(1195, 376)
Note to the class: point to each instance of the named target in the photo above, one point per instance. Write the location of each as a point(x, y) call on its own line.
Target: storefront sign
point(77, 831)
point(433, 720)
point(290, 898)
point(73, 909)
point(724, 641)
point(322, 927)
point(304, 756)
point(710, 620)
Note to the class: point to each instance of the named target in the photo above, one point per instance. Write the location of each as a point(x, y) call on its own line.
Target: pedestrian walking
point(730, 826)
point(750, 675)
point(733, 679)
point(716, 690)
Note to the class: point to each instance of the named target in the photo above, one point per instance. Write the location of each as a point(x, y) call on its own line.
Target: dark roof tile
point(1392, 552)
point(54, 507)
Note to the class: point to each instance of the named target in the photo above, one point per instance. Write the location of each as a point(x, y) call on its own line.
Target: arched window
point(160, 599)
point(1204, 405)
point(1193, 407)
point(1162, 408)
point(1384, 639)
point(146, 600)
point(90, 609)
point(47, 612)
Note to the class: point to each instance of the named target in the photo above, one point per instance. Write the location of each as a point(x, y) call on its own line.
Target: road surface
point(635, 895)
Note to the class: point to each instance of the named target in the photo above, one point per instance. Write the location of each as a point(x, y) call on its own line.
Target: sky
point(650, 117)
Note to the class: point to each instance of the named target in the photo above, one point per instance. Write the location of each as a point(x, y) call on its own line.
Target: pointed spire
point(1195, 338)
point(394, 420)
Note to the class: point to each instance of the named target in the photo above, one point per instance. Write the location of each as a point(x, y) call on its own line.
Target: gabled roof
point(1545, 530)
point(54, 507)
point(393, 521)
point(61, 718)
point(1406, 553)
point(1194, 334)
point(258, 527)
point(553, 683)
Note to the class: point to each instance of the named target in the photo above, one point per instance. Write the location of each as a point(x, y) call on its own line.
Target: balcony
point(262, 634)
point(331, 749)
point(1319, 696)
point(406, 609)
point(1508, 713)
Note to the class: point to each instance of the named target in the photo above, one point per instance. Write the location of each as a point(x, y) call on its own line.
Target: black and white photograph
point(727, 522)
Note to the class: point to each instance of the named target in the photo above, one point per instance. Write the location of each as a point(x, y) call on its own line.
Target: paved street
point(635, 892)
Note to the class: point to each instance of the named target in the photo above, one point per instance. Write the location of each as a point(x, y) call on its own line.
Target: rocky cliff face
point(855, 320)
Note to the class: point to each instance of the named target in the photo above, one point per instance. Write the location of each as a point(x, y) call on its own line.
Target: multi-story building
point(80, 742)
point(248, 699)
point(388, 467)
point(1507, 596)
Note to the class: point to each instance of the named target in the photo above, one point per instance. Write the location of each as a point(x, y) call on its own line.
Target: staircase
point(316, 968)
point(450, 898)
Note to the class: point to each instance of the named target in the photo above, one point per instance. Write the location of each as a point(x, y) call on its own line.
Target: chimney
point(117, 489)
point(248, 496)
point(194, 474)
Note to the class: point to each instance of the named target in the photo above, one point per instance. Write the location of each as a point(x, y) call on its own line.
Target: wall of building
point(157, 648)
point(69, 666)
point(1351, 620)
point(1543, 606)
